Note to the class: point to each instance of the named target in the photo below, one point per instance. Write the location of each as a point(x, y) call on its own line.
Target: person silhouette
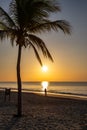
point(45, 90)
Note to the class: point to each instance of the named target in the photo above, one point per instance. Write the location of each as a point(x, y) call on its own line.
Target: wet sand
point(43, 113)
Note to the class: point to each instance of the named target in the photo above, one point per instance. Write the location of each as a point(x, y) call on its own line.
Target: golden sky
point(66, 65)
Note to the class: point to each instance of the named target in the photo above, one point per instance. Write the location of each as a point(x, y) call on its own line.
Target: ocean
point(70, 88)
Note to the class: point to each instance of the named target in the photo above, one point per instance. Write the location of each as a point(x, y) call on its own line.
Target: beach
point(43, 112)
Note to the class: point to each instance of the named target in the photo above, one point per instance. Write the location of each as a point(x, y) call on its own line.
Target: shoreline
point(70, 96)
point(61, 95)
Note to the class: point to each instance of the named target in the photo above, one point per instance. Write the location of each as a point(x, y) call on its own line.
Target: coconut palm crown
point(25, 19)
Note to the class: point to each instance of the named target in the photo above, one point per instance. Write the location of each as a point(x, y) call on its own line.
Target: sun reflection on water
point(44, 85)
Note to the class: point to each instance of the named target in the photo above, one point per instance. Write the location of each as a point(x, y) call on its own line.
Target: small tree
point(26, 18)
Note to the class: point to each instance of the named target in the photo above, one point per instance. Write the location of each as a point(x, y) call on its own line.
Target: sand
point(43, 113)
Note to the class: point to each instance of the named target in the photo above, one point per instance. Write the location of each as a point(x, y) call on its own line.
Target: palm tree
point(24, 20)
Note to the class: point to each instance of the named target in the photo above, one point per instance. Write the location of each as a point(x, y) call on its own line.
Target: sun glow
point(44, 68)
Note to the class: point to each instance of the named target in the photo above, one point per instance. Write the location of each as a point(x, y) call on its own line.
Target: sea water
point(71, 88)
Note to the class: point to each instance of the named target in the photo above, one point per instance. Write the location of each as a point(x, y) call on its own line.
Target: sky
point(69, 51)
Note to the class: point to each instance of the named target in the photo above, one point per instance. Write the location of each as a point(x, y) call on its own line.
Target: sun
point(44, 68)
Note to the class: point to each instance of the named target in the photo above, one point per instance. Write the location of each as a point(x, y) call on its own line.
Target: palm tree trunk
point(19, 109)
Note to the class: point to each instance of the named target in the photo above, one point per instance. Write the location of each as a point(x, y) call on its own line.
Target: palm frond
point(36, 41)
point(3, 34)
point(8, 33)
point(26, 11)
point(13, 36)
point(41, 7)
point(5, 18)
point(47, 5)
point(55, 25)
point(3, 26)
point(17, 13)
point(36, 53)
point(64, 26)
